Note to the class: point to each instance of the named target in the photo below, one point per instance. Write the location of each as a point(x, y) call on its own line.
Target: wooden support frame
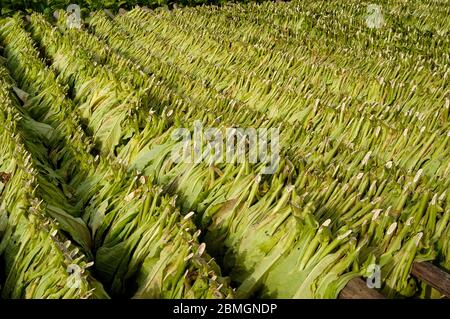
point(433, 276)
point(357, 289)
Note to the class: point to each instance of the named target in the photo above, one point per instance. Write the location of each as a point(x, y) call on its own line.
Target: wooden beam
point(433, 276)
point(357, 289)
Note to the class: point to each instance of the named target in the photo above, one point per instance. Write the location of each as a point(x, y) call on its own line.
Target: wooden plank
point(357, 289)
point(433, 276)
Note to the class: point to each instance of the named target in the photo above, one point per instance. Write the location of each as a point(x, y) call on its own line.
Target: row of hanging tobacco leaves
point(8, 7)
point(141, 245)
point(364, 119)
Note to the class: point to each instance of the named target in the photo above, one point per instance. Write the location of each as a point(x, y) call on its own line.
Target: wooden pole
point(433, 276)
point(357, 289)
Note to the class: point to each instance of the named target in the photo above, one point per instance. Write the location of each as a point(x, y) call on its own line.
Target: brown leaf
point(5, 177)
